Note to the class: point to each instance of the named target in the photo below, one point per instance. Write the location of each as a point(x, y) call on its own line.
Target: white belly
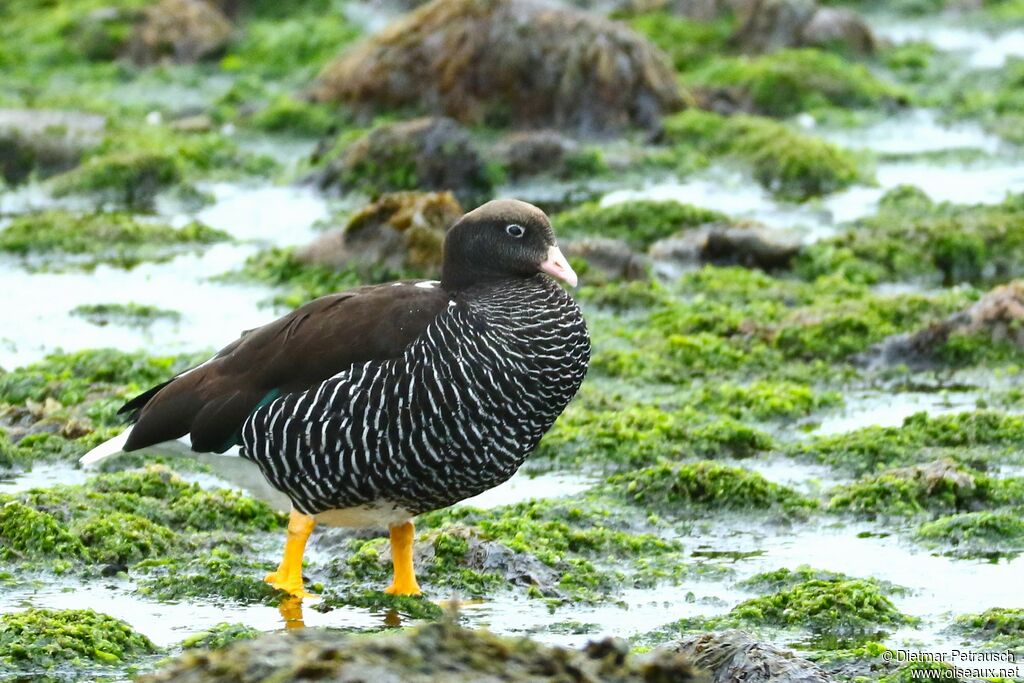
point(380, 514)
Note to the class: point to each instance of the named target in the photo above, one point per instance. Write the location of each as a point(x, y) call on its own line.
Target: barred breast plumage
point(455, 415)
point(370, 406)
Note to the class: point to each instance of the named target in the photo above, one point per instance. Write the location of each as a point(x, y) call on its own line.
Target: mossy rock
point(988, 534)
point(220, 576)
point(127, 315)
point(28, 533)
point(122, 539)
point(442, 651)
point(572, 537)
point(789, 82)
point(117, 238)
point(130, 178)
point(781, 159)
point(911, 237)
point(940, 486)
point(839, 609)
point(706, 484)
point(640, 223)
point(432, 154)
point(45, 638)
point(219, 636)
point(634, 435)
point(998, 628)
point(560, 68)
point(871, 449)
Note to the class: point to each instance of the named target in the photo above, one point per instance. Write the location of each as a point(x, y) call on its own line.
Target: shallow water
point(978, 47)
point(212, 313)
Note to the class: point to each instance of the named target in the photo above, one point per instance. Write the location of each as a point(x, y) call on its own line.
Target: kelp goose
point(371, 406)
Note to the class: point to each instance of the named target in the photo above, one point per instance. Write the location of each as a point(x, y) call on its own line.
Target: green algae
point(781, 159)
point(871, 449)
point(46, 638)
point(299, 282)
point(129, 178)
point(640, 434)
point(914, 491)
point(219, 636)
point(785, 578)
point(730, 323)
point(71, 378)
point(578, 539)
point(706, 484)
point(789, 82)
point(639, 222)
point(121, 538)
point(134, 520)
point(28, 533)
point(987, 534)
point(117, 238)
point(285, 114)
point(843, 609)
point(221, 575)
point(295, 45)
point(995, 99)
point(911, 237)
point(687, 42)
point(765, 399)
point(998, 628)
point(128, 315)
point(412, 607)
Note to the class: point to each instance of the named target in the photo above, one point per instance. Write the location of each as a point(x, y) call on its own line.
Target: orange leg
point(288, 576)
point(404, 582)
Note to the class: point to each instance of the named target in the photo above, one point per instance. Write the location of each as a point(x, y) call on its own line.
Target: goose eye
point(514, 230)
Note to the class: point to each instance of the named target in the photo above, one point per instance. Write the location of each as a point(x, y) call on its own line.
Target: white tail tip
point(105, 449)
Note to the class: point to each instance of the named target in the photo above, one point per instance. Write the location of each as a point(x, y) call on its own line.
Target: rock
point(941, 475)
point(44, 141)
point(179, 31)
point(733, 656)
point(752, 246)
point(768, 25)
point(518, 569)
point(608, 259)
point(403, 230)
point(524, 63)
point(421, 154)
point(530, 153)
point(103, 33)
point(999, 315)
point(838, 26)
point(426, 654)
point(195, 123)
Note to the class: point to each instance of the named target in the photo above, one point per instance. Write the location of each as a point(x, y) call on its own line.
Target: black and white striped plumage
point(455, 415)
point(370, 406)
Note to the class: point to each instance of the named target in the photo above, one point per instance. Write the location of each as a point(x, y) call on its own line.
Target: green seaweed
point(46, 638)
point(219, 636)
point(119, 238)
point(872, 449)
point(911, 237)
point(706, 484)
point(842, 609)
point(638, 222)
point(781, 159)
point(792, 81)
point(130, 314)
point(984, 534)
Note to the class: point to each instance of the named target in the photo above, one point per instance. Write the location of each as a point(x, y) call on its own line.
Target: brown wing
point(293, 353)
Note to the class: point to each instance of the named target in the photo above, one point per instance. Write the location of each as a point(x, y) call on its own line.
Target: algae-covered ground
point(827, 454)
